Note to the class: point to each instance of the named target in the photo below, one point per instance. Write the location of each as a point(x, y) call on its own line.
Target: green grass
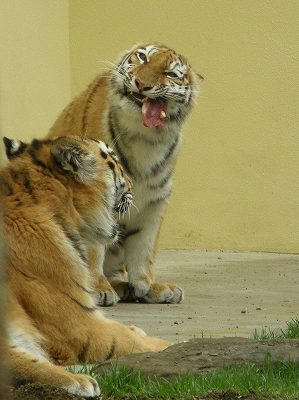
point(271, 378)
point(290, 332)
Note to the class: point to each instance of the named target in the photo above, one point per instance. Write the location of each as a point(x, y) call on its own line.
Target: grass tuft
point(290, 332)
point(272, 378)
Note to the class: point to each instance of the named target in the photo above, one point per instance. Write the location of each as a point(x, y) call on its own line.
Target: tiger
point(138, 107)
point(4, 380)
point(59, 197)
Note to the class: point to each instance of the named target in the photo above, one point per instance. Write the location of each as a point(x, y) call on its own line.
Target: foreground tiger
point(58, 199)
point(4, 392)
point(138, 106)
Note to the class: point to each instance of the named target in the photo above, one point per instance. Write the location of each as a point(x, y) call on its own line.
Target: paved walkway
point(226, 294)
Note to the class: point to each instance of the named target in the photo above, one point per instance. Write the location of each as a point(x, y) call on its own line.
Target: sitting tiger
point(139, 107)
point(59, 197)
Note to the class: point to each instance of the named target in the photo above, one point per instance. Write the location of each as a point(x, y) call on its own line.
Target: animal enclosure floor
point(226, 294)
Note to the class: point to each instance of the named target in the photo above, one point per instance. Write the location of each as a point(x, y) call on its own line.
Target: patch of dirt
point(236, 396)
point(205, 355)
point(217, 396)
point(37, 391)
point(196, 356)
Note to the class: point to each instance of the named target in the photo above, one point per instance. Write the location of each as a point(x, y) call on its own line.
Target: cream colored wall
point(35, 68)
point(237, 179)
point(236, 183)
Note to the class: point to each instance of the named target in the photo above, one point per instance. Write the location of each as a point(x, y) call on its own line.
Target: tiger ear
point(74, 159)
point(13, 147)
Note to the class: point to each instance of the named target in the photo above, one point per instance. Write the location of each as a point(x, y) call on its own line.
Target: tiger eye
point(141, 57)
point(171, 74)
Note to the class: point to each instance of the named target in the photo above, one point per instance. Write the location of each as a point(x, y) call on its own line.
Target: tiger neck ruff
point(138, 107)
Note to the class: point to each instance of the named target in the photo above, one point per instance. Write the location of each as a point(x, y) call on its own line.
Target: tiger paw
point(158, 292)
point(106, 295)
point(124, 290)
point(150, 343)
point(83, 385)
point(137, 330)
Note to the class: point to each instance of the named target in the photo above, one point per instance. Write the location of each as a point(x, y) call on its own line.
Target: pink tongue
point(153, 113)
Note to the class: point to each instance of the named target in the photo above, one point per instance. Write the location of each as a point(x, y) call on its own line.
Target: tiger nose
point(141, 86)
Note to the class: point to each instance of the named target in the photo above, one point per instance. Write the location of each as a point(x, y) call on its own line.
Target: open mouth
point(153, 111)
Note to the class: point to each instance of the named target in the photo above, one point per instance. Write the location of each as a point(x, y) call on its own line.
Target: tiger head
point(157, 81)
point(83, 160)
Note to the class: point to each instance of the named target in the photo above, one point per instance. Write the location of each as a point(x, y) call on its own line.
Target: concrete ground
point(226, 294)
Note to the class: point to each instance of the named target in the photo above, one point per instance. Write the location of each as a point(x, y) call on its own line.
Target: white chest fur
point(148, 154)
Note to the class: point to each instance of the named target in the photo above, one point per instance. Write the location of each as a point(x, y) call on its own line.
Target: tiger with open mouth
point(138, 107)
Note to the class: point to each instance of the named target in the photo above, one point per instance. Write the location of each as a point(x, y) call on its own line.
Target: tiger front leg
point(29, 367)
point(139, 252)
point(111, 339)
point(106, 295)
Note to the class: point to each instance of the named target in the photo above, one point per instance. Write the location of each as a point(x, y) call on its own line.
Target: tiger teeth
point(162, 115)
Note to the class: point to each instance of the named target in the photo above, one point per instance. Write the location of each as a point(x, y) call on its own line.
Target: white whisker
point(133, 205)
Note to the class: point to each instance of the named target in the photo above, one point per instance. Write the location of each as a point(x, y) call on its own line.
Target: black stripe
point(162, 182)
point(131, 232)
point(157, 167)
point(31, 277)
point(6, 187)
point(86, 308)
point(113, 156)
point(93, 88)
point(103, 154)
point(83, 288)
point(35, 160)
point(129, 294)
point(94, 139)
point(37, 144)
point(34, 147)
point(121, 92)
point(18, 202)
point(14, 174)
point(83, 352)
point(126, 57)
point(180, 95)
point(177, 117)
point(112, 351)
point(72, 236)
point(75, 239)
point(111, 165)
point(159, 199)
point(121, 156)
point(122, 237)
point(22, 178)
point(27, 184)
point(102, 233)
point(71, 298)
point(105, 298)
